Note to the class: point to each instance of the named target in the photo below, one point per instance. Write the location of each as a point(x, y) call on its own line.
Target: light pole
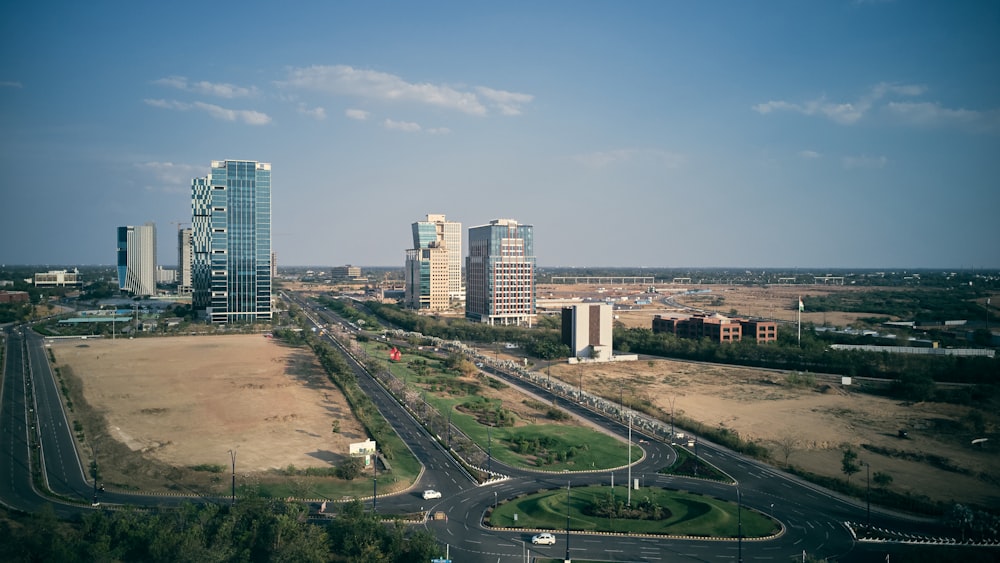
point(494, 500)
point(489, 450)
point(868, 495)
point(232, 456)
point(567, 520)
point(739, 519)
point(672, 399)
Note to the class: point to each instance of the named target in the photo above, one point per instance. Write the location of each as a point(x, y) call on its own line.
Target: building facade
point(58, 278)
point(587, 330)
point(137, 259)
point(346, 273)
point(433, 270)
point(500, 273)
point(717, 328)
point(185, 256)
point(231, 241)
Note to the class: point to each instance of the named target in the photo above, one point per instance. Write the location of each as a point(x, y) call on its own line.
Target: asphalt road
point(812, 517)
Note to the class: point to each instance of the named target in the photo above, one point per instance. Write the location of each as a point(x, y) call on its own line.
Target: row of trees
point(252, 530)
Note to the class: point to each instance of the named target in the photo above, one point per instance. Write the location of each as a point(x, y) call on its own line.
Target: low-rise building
point(58, 278)
point(717, 328)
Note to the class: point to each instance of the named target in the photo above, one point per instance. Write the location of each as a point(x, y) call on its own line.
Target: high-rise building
point(231, 237)
point(185, 255)
point(137, 259)
point(500, 273)
point(433, 273)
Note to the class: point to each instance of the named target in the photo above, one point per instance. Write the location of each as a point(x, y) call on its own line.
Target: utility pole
point(629, 462)
point(567, 521)
point(868, 495)
point(232, 456)
point(739, 517)
point(672, 434)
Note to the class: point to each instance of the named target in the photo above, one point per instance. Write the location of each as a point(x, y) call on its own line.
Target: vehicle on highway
point(431, 493)
point(543, 539)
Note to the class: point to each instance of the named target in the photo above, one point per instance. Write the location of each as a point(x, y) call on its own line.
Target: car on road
point(431, 493)
point(543, 539)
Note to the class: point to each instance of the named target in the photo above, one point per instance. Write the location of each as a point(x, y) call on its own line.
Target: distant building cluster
point(224, 259)
point(716, 328)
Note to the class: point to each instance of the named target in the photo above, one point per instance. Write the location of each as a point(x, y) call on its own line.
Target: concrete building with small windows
point(587, 330)
point(58, 278)
point(433, 271)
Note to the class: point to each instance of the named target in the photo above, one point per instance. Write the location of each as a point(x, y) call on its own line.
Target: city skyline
point(850, 134)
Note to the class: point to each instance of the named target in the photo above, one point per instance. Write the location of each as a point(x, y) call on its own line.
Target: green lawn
point(689, 513)
point(561, 447)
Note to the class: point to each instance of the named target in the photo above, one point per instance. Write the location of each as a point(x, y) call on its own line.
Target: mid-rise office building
point(433, 272)
point(587, 330)
point(500, 273)
point(185, 256)
point(346, 273)
point(231, 239)
point(58, 278)
point(137, 259)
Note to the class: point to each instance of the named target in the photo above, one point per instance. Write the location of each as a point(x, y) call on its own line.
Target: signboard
point(364, 449)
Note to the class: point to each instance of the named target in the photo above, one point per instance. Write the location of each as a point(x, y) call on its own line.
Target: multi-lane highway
point(812, 518)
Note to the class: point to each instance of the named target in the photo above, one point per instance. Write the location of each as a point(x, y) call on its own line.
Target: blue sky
point(656, 134)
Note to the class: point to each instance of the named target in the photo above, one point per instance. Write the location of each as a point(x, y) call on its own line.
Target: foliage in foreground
point(253, 530)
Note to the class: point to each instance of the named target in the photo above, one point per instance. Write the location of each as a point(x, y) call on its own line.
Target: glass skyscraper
point(433, 271)
point(231, 239)
point(500, 273)
point(137, 259)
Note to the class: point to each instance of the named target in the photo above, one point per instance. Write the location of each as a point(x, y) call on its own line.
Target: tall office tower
point(185, 255)
point(137, 259)
point(500, 273)
point(231, 237)
point(434, 265)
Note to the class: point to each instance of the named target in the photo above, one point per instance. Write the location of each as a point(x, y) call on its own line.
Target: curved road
point(812, 516)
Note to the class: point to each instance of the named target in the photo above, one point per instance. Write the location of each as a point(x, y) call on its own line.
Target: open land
point(187, 401)
point(818, 420)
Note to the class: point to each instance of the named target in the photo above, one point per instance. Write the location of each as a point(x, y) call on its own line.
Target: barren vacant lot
point(187, 401)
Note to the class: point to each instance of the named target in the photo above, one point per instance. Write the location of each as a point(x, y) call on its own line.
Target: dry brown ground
point(186, 401)
point(761, 406)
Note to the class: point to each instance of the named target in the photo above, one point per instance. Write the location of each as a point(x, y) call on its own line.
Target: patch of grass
point(687, 464)
point(689, 514)
point(209, 467)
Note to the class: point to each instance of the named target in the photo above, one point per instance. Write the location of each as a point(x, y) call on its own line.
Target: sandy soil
point(760, 405)
point(189, 400)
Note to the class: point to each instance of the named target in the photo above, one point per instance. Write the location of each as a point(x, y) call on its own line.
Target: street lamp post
point(672, 399)
point(567, 520)
point(868, 495)
point(232, 456)
point(494, 500)
point(739, 519)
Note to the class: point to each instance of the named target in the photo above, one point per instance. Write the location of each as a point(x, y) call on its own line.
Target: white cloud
point(407, 126)
point(617, 156)
point(509, 103)
point(438, 131)
point(218, 89)
point(358, 114)
point(845, 113)
point(808, 154)
point(10, 84)
point(173, 177)
point(250, 117)
point(855, 162)
point(317, 113)
point(933, 114)
point(371, 84)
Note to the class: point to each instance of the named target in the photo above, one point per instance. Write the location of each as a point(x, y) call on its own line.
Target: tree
point(349, 469)
point(787, 444)
point(882, 479)
point(849, 463)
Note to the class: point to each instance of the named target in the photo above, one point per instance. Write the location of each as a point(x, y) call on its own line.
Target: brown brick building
point(717, 328)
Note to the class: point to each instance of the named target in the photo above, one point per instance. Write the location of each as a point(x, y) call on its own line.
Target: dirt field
point(187, 401)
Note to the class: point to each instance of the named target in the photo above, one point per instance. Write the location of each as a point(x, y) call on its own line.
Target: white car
point(431, 493)
point(543, 539)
